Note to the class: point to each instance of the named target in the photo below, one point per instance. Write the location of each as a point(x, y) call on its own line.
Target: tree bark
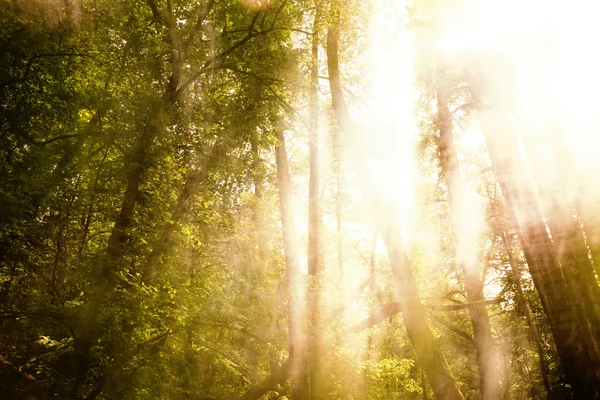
point(107, 280)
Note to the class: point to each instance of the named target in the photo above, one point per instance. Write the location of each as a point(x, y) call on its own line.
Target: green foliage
point(184, 103)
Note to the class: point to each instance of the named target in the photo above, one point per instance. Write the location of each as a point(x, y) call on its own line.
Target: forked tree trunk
point(567, 317)
point(429, 356)
point(466, 249)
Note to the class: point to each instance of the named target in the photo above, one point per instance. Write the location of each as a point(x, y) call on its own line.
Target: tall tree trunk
point(465, 242)
point(566, 316)
point(155, 121)
point(296, 340)
point(429, 356)
point(338, 221)
point(314, 265)
point(92, 328)
point(558, 204)
point(137, 167)
point(557, 200)
point(373, 295)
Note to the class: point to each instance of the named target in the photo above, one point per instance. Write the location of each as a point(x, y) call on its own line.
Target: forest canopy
point(299, 199)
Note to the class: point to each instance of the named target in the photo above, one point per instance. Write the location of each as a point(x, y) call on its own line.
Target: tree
point(166, 164)
point(418, 331)
point(570, 327)
point(486, 357)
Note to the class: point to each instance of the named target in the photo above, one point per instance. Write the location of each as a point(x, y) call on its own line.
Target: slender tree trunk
point(566, 316)
point(424, 385)
point(535, 334)
point(160, 112)
point(90, 209)
point(589, 216)
point(338, 220)
point(429, 356)
point(314, 264)
point(257, 176)
point(296, 340)
point(465, 243)
point(372, 304)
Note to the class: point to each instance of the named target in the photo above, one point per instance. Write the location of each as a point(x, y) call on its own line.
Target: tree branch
point(158, 17)
point(384, 312)
point(208, 64)
point(44, 55)
point(203, 15)
point(55, 317)
point(27, 137)
point(283, 3)
point(464, 306)
point(454, 329)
